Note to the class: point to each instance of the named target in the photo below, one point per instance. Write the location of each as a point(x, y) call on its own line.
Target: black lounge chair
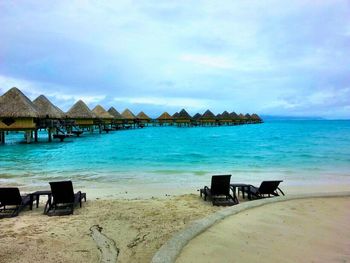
point(266, 189)
point(219, 192)
point(11, 202)
point(63, 200)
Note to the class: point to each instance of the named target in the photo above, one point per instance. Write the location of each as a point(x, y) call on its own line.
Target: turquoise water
point(294, 151)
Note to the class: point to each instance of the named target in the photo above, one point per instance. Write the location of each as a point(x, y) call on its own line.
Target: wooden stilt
point(2, 137)
point(36, 135)
point(49, 133)
point(28, 136)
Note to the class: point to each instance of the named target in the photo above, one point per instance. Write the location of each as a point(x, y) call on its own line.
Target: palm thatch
point(248, 117)
point(225, 116)
point(46, 109)
point(208, 116)
point(165, 117)
point(115, 113)
point(80, 111)
point(143, 116)
point(241, 117)
point(101, 113)
point(14, 104)
point(128, 115)
point(256, 118)
point(197, 116)
point(183, 115)
point(234, 116)
point(218, 116)
point(175, 115)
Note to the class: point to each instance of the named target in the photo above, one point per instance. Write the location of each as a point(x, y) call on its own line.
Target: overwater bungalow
point(103, 119)
point(50, 118)
point(165, 119)
point(208, 118)
point(117, 118)
point(143, 119)
point(129, 119)
point(256, 118)
point(196, 119)
point(235, 118)
point(225, 119)
point(82, 115)
point(183, 119)
point(17, 113)
point(242, 119)
point(248, 118)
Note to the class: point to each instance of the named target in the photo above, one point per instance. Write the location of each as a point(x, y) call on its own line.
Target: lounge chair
point(266, 189)
point(11, 202)
point(63, 200)
point(219, 192)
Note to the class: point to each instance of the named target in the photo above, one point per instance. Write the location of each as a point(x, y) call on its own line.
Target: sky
point(272, 57)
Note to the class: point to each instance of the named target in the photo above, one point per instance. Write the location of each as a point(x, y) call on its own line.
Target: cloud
point(253, 56)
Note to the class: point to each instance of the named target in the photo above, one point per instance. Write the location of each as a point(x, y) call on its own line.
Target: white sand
point(310, 230)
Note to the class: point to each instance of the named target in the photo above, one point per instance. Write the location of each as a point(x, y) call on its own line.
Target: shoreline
point(138, 226)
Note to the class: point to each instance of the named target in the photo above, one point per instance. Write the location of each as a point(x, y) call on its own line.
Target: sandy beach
point(139, 227)
point(306, 230)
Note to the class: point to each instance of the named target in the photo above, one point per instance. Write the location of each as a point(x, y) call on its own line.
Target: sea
point(299, 152)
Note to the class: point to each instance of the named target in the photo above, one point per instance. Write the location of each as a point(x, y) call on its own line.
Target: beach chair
point(266, 189)
point(219, 191)
point(63, 199)
point(11, 202)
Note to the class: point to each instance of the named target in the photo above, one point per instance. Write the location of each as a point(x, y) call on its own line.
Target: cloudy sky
point(266, 56)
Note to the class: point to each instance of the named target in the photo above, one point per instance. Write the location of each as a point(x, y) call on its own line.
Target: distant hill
point(288, 118)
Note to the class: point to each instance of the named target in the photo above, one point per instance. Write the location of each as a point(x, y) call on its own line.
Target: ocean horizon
point(296, 151)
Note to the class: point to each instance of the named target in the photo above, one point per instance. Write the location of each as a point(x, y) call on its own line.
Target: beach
point(140, 226)
point(306, 230)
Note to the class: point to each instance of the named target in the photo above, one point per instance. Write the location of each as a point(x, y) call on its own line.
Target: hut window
point(8, 121)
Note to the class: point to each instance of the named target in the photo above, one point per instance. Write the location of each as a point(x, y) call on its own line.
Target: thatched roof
point(46, 109)
point(256, 117)
point(128, 115)
point(115, 113)
point(101, 113)
point(226, 116)
point(14, 104)
point(218, 116)
point(80, 111)
point(165, 116)
point(175, 115)
point(234, 115)
point(197, 116)
point(208, 115)
point(247, 116)
point(143, 116)
point(183, 115)
point(241, 116)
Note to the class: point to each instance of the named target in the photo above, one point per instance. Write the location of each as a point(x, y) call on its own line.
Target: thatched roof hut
point(175, 115)
point(256, 118)
point(81, 113)
point(115, 113)
point(14, 104)
point(248, 118)
point(143, 117)
point(128, 116)
point(183, 116)
point(101, 113)
point(46, 109)
point(17, 112)
point(242, 118)
point(208, 116)
point(197, 116)
point(234, 116)
point(165, 117)
point(225, 116)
